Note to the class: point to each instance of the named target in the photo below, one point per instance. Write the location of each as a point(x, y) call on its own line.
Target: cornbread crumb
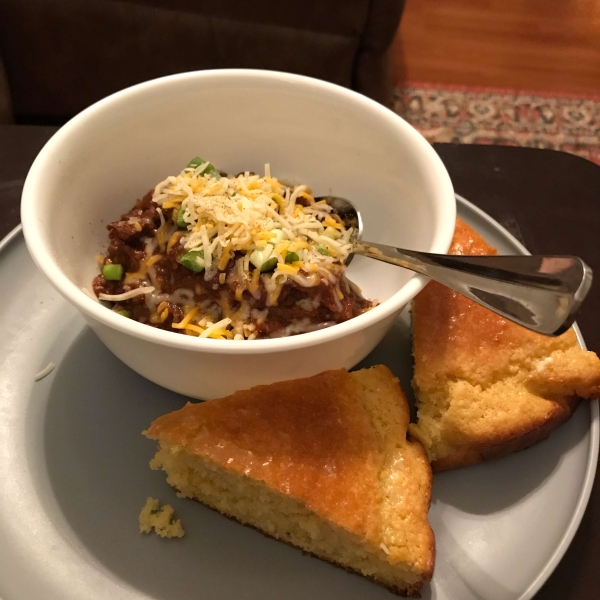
point(153, 516)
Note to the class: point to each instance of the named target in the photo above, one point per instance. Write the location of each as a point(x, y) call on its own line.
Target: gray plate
point(74, 475)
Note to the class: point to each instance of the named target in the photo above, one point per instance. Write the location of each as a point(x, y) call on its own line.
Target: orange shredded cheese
point(173, 240)
point(194, 328)
point(173, 203)
point(330, 222)
point(280, 200)
point(220, 333)
point(224, 257)
point(285, 268)
point(253, 286)
point(188, 317)
point(153, 260)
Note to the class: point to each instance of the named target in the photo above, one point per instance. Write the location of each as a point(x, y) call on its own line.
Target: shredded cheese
point(287, 268)
point(173, 240)
point(248, 232)
point(212, 329)
point(194, 329)
point(44, 372)
point(127, 295)
point(249, 213)
point(188, 317)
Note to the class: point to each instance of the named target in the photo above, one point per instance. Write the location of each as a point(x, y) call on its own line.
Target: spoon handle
point(542, 293)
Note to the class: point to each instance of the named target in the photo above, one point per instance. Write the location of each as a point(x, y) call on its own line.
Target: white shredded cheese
point(258, 216)
point(44, 372)
point(127, 295)
point(222, 324)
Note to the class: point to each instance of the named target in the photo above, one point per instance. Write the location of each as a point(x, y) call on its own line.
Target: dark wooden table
point(549, 200)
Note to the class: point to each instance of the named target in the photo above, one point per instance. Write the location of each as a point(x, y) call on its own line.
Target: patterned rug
point(485, 116)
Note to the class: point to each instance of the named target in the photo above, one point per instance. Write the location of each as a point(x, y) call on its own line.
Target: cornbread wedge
point(321, 463)
point(486, 386)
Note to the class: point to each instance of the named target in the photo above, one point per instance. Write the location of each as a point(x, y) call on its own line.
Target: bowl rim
point(33, 228)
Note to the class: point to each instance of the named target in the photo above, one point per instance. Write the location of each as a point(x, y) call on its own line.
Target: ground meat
point(126, 247)
point(126, 254)
point(302, 201)
point(327, 294)
point(144, 213)
point(288, 309)
point(101, 286)
point(175, 315)
point(122, 230)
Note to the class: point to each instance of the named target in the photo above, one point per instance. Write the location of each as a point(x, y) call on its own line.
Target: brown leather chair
point(62, 55)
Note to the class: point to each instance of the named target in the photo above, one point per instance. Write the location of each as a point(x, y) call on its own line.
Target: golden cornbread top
point(457, 338)
point(310, 439)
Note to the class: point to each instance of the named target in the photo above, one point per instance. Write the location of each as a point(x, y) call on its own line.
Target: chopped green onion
point(277, 237)
point(195, 163)
point(291, 257)
point(209, 170)
point(323, 250)
point(193, 260)
point(262, 259)
point(112, 272)
point(268, 265)
point(180, 221)
point(330, 235)
point(124, 313)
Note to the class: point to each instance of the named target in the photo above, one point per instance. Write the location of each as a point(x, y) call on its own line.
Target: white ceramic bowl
point(309, 131)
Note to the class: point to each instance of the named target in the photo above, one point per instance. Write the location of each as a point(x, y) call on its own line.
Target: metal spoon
point(542, 293)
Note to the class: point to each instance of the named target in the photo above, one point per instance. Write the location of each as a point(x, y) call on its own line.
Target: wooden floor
point(543, 45)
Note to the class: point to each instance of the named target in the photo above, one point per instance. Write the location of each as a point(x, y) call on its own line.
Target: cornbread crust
point(485, 386)
point(329, 453)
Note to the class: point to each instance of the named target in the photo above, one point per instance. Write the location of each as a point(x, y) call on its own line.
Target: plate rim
point(10, 236)
point(592, 455)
